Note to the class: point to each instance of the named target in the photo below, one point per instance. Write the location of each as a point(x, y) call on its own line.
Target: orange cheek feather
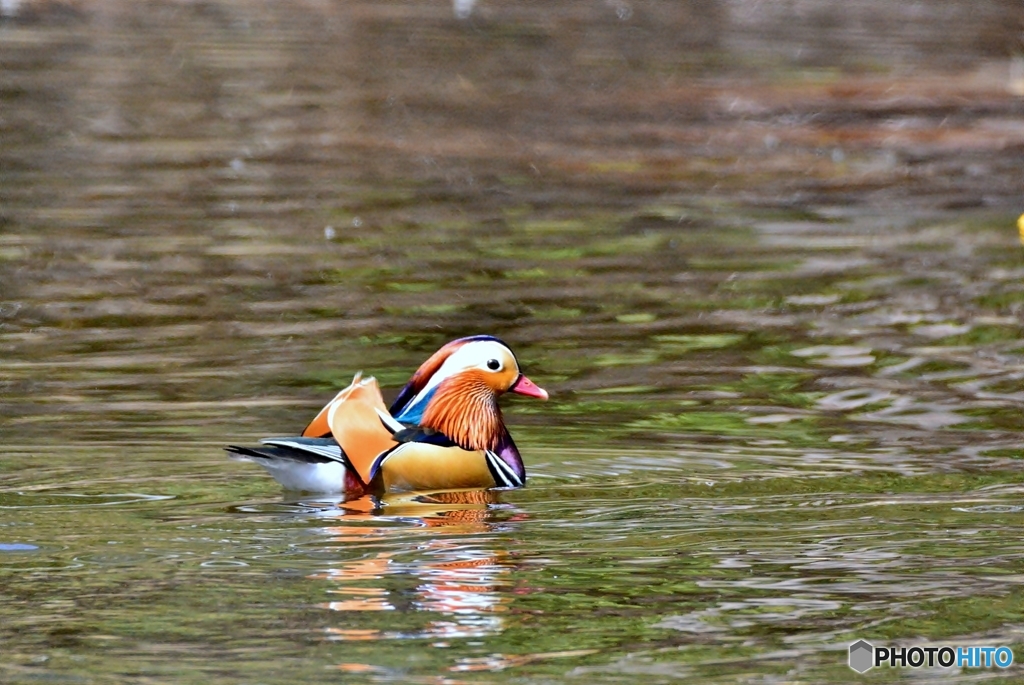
point(464, 409)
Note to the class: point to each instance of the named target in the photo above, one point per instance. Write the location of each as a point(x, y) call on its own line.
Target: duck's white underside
point(328, 478)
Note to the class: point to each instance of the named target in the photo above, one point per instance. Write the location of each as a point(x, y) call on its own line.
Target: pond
point(764, 258)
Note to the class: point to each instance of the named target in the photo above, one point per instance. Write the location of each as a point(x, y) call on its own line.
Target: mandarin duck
point(444, 431)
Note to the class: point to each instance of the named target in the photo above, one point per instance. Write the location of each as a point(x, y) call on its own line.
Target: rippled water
point(763, 256)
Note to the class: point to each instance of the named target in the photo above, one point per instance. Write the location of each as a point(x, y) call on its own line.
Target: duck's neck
point(466, 410)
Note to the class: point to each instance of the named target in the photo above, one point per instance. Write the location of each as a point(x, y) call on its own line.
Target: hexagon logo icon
point(862, 656)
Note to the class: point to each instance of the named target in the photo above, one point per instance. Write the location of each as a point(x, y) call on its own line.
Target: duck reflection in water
point(448, 564)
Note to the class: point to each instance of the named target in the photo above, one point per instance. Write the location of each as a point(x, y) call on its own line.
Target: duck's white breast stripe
point(501, 470)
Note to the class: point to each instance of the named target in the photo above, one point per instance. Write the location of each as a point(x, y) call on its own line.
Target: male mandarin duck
point(444, 431)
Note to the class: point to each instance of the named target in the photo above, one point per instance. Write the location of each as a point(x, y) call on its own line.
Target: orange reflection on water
point(373, 599)
point(460, 576)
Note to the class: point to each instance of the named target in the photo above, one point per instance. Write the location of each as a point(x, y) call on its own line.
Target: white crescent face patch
point(504, 476)
point(480, 355)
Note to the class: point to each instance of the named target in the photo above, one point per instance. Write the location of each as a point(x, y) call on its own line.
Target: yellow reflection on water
point(460, 580)
point(499, 662)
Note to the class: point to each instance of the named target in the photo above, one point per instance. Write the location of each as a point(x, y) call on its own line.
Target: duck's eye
point(493, 364)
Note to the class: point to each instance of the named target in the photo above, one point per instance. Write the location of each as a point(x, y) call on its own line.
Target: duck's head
point(455, 391)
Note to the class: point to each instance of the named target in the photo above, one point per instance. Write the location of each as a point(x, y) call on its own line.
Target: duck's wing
point(318, 427)
point(335, 452)
point(301, 450)
point(360, 422)
point(309, 464)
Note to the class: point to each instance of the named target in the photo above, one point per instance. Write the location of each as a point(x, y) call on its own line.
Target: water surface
point(764, 259)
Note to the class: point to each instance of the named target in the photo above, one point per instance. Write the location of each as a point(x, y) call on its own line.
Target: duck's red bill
point(524, 386)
